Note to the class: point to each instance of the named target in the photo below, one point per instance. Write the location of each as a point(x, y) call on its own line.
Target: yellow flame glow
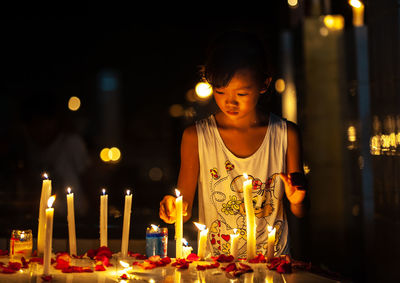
point(177, 193)
point(51, 201)
point(203, 89)
point(184, 242)
point(103, 191)
point(68, 190)
point(128, 192)
point(199, 226)
point(124, 264)
point(45, 176)
point(245, 175)
point(356, 3)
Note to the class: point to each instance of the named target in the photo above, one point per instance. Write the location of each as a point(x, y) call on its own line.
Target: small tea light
point(186, 249)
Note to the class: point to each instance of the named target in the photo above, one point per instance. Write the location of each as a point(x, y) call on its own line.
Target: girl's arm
point(187, 180)
point(294, 163)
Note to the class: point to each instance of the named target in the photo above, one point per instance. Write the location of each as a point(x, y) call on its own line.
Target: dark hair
point(232, 51)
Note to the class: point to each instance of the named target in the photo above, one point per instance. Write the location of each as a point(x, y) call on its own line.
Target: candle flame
point(199, 226)
point(356, 3)
point(51, 201)
point(234, 230)
point(22, 235)
point(124, 264)
point(270, 229)
point(104, 191)
point(128, 192)
point(45, 176)
point(177, 193)
point(69, 190)
point(154, 227)
point(245, 175)
point(184, 242)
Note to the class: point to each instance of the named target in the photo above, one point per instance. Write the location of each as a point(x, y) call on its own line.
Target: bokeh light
point(280, 85)
point(74, 103)
point(203, 90)
point(110, 154)
point(176, 110)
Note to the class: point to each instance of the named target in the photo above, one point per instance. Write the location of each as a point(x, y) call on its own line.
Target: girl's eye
point(219, 92)
point(242, 94)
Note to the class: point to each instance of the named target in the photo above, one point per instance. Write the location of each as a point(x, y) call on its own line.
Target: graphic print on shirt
point(232, 205)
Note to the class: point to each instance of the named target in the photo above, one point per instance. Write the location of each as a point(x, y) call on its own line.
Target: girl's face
point(239, 98)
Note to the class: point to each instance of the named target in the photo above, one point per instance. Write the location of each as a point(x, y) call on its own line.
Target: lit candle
point(71, 222)
point(178, 224)
point(103, 218)
point(201, 250)
point(187, 250)
point(234, 243)
point(127, 221)
point(271, 242)
point(48, 236)
point(250, 216)
point(46, 192)
point(358, 12)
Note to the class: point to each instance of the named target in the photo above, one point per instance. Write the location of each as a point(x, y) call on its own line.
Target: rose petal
point(47, 278)
point(193, 257)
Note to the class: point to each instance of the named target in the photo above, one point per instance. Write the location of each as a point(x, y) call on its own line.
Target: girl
point(238, 139)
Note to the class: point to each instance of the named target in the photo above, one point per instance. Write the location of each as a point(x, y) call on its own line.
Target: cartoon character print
point(228, 205)
point(214, 173)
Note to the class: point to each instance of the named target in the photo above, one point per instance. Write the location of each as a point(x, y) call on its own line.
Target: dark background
point(155, 64)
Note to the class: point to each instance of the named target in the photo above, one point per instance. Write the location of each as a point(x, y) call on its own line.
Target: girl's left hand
point(293, 193)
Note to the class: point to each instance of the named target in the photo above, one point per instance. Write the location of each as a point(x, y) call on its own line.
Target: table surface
point(160, 274)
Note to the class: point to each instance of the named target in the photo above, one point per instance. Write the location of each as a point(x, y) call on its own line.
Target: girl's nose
point(231, 100)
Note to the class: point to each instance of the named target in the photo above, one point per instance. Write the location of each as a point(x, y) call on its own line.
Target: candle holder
point(156, 241)
point(21, 243)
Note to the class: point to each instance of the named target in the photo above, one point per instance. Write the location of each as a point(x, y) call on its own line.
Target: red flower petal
point(193, 257)
point(124, 276)
point(230, 267)
point(284, 267)
point(47, 278)
point(99, 267)
point(36, 259)
point(3, 252)
point(201, 267)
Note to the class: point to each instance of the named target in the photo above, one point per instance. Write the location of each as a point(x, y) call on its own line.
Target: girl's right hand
point(168, 210)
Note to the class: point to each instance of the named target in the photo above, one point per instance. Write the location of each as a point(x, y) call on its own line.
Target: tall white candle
point(178, 224)
point(103, 219)
point(48, 236)
point(46, 192)
point(201, 250)
point(71, 222)
point(234, 243)
point(271, 242)
point(250, 216)
point(127, 220)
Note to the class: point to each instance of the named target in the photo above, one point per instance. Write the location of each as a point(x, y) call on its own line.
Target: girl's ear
point(267, 82)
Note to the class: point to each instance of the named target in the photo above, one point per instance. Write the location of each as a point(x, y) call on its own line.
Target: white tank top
point(221, 205)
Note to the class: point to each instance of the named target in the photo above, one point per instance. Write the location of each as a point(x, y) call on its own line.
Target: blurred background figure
point(51, 145)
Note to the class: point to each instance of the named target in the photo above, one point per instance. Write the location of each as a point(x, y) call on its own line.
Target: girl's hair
point(232, 51)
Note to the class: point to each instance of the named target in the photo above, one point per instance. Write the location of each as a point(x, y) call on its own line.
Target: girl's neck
point(254, 119)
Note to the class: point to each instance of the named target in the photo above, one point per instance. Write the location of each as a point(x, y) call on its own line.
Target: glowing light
point(176, 110)
point(203, 90)
point(110, 154)
point(114, 154)
point(124, 264)
point(104, 154)
point(351, 134)
point(199, 226)
point(324, 31)
point(234, 230)
point(154, 228)
point(356, 3)
point(51, 201)
point(306, 169)
point(270, 228)
point(45, 176)
point(68, 190)
point(184, 242)
point(128, 192)
point(334, 22)
point(280, 85)
point(293, 3)
point(74, 103)
point(103, 191)
point(177, 193)
point(245, 175)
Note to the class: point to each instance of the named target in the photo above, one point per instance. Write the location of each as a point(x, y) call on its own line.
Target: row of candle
point(234, 238)
point(46, 215)
point(46, 225)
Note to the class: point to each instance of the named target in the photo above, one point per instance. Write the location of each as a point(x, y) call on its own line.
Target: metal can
point(156, 241)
